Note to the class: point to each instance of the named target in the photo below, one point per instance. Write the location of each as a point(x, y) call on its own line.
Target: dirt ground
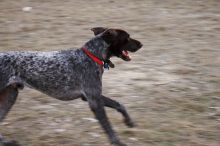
point(171, 87)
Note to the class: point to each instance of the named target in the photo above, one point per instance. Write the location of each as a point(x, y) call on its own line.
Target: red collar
point(93, 57)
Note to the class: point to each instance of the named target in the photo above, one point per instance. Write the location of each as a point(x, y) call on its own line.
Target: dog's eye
point(127, 40)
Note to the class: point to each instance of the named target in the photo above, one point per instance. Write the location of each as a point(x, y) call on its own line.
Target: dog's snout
point(140, 45)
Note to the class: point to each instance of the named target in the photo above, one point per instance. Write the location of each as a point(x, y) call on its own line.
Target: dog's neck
point(98, 47)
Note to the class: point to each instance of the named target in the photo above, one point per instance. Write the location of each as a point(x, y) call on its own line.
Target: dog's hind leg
point(8, 97)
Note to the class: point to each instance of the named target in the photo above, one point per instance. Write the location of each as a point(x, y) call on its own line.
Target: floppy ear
point(98, 30)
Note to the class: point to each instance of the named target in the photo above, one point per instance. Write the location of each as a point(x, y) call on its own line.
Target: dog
point(68, 75)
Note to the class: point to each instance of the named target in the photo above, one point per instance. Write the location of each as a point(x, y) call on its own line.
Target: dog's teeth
point(123, 52)
point(129, 56)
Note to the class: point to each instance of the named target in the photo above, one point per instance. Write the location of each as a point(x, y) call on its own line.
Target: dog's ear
point(98, 30)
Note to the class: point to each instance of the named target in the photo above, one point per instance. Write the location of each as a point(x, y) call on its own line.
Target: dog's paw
point(116, 141)
point(130, 123)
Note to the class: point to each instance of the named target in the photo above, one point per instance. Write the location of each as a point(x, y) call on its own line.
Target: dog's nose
point(140, 45)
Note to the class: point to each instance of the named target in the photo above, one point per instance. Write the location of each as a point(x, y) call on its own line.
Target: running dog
point(68, 75)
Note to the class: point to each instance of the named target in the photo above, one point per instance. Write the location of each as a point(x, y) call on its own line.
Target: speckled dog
point(68, 75)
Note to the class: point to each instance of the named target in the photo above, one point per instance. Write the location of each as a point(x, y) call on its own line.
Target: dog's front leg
point(108, 102)
point(120, 108)
point(97, 106)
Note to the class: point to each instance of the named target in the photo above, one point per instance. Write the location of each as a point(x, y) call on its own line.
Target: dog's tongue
point(125, 54)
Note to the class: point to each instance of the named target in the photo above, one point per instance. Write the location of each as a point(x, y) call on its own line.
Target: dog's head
point(119, 41)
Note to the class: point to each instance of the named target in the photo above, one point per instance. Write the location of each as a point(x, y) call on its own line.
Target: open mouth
point(125, 56)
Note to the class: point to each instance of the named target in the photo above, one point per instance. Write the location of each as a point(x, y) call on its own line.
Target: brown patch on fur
point(3, 95)
point(6, 92)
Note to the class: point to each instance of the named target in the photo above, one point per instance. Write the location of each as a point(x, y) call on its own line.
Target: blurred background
point(171, 88)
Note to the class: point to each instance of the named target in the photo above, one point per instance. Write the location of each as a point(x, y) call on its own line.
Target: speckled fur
point(66, 75)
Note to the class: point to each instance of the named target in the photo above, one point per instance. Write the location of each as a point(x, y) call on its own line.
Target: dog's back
point(44, 71)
